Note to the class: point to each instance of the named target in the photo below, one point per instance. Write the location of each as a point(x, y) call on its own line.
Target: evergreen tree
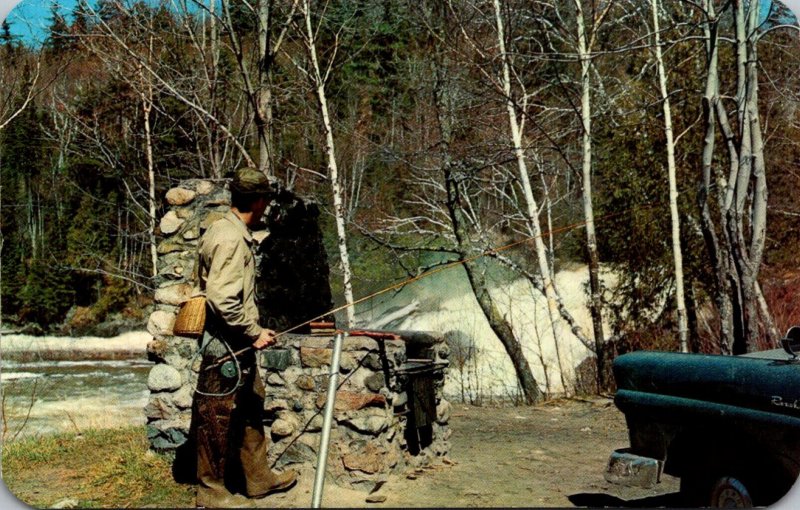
point(86, 239)
point(58, 38)
point(82, 17)
point(46, 296)
point(7, 42)
point(242, 16)
point(5, 34)
point(21, 151)
point(108, 10)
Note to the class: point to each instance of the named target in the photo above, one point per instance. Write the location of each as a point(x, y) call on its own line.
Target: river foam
point(133, 341)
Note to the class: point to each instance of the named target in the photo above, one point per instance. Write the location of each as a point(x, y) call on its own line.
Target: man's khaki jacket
point(227, 276)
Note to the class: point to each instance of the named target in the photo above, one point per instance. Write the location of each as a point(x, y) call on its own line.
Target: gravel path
point(552, 455)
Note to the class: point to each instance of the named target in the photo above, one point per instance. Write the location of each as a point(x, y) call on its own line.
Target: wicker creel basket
point(191, 318)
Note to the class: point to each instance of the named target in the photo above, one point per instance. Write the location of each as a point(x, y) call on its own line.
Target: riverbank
point(78, 323)
point(132, 344)
point(550, 455)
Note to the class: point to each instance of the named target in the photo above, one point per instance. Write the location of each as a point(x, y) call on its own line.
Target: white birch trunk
point(716, 243)
point(151, 176)
point(741, 60)
point(680, 301)
point(758, 205)
point(147, 106)
point(588, 209)
point(532, 208)
point(737, 244)
point(264, 99)
point(333, 170)
point(759, 202)
point(744, 171)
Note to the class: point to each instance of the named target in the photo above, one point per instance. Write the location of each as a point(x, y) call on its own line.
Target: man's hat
point(250, 181)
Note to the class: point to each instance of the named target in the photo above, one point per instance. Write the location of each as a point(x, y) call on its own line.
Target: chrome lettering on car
point(778, 401)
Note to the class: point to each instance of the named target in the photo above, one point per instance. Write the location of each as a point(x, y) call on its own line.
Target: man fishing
point(232, 465)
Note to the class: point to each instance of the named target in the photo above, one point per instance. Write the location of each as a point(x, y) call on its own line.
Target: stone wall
point(373, 430)
point(376, 430)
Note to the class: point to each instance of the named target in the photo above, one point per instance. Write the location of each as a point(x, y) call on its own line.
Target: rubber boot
point(260, 480)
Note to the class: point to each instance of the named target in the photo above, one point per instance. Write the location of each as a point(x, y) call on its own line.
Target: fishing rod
point(485, 253)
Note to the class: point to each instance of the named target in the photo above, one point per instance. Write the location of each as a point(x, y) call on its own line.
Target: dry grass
point(100, 469)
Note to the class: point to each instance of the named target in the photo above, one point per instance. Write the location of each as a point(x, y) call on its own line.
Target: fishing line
point(444, 267)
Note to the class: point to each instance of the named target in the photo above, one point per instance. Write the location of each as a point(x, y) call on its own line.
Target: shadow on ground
point(601, 500)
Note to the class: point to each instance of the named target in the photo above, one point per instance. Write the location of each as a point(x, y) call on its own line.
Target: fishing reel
point(229, 369)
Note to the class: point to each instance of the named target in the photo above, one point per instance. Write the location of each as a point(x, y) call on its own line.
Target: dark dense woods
point(428, 132)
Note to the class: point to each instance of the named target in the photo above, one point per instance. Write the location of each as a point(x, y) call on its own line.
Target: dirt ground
point(552, 455)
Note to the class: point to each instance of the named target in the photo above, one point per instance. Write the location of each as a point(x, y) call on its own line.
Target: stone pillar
point(193, 206)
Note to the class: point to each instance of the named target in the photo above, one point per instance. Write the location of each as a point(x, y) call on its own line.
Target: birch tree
point(736, 241)
point(146, 95)
point(532, 217)
point(510, 193)
point(677, 252)
point(317, 78)
point(461, 214)
point(456, 199)
point(586, 42)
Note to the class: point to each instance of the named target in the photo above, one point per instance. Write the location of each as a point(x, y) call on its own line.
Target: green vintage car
point(728, 426)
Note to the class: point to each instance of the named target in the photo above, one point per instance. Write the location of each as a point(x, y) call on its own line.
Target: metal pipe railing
point(322, 458)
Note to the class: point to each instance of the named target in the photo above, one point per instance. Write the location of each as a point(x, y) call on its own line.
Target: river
point(54, 384)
